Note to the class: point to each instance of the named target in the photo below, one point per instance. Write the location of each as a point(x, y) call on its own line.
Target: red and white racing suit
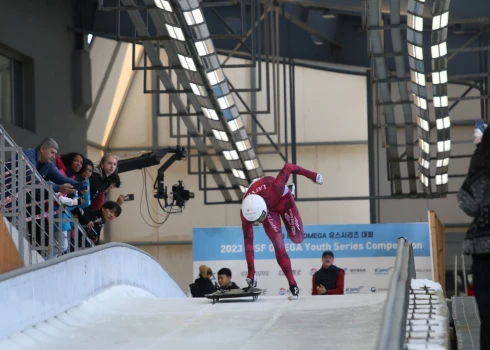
point(280, 204)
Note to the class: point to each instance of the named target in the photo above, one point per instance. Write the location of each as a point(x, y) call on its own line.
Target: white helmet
point(254, 208)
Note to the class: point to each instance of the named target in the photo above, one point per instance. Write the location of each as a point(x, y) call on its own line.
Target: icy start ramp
point(129, 318)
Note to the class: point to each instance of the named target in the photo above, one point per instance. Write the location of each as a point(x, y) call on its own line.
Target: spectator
point(329, 279)
point(477, 240)
point(103, 177)
point(115, 182)
point(41, 157)
point(93, 220)
point(70, 164)
point(203, 285)
point(224, 279)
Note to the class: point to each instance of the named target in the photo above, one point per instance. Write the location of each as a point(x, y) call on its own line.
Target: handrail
point(392, 332)
point(24, 181)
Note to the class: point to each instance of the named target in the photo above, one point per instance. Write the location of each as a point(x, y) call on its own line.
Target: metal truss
point(399, 65)
point(259, 37)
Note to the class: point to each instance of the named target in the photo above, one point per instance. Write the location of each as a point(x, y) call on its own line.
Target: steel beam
point(154, 57)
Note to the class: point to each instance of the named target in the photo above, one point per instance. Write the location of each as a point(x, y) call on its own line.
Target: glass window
point(11, 91)
point(5, 89)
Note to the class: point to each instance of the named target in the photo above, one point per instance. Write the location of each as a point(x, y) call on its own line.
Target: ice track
point(129, 318)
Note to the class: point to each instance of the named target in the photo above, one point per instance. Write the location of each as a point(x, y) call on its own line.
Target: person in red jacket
point(267, 200)
point(329, 279)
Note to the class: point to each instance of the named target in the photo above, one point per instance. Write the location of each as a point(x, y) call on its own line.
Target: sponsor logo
point(312, 271)
point(382, 271)
point(257, 273)
point(264, 291)
point(354, 290)
point(423, 270)
point(373, 289)
point(355, 271)
point(295, 272)
point(283, 291)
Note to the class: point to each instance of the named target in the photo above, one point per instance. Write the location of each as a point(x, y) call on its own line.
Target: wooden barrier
point(438, 249)
point(9, 255)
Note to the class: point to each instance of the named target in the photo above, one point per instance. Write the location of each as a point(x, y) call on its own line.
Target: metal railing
point(393, 329)
point(32, 210)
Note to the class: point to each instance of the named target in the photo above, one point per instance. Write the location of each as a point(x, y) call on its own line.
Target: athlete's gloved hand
point(319, 179)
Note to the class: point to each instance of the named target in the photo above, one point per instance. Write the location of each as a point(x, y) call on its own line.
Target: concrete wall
point(40, 30)
point(88, 272)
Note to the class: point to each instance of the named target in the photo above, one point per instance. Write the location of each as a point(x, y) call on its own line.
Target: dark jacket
point(332, 279)
point(231, 286)
point(99, 182)
point(96, 217)
point(477, 239)
point(201, 287)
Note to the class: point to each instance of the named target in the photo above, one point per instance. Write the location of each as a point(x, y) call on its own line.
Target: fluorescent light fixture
point(444, 146)
point(424, 180)
point(440, 101)
point(436, 22)
point(216, 76)
point(419, 101)
point(210, 113)
point(443, 123)
point(444, 19)
point(89, 38)
point(235, 124)
point(194, 17)
point(418, 78)
point(424, 163)
point(424, 146)
point(442, 162)
point(220, 135)
point(175, 32)
point(226, 101)
point(164, 5)
point(252, 164)
point(204, 47)
point(243, 145)
point(441, 179)
point(439, 50)
point(439, 77)
point(230, 155)
point(187, 62)
point(195, 89)
point(415, 22)
point(416, 51)
point(238, 173)
point(424, 124)
point(243, 189)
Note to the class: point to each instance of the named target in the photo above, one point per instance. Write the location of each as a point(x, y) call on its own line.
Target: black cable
point(145, 192)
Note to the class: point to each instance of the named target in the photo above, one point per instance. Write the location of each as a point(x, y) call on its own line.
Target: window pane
point(5, 89)
point(18, 91)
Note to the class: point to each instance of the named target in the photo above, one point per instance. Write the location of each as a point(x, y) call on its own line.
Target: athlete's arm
point(288, 169)
point(248, 242)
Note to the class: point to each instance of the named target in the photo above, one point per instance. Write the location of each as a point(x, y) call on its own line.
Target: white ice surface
point(129, 318)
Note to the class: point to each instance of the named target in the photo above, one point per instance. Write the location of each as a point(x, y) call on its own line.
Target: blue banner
point(345, 241)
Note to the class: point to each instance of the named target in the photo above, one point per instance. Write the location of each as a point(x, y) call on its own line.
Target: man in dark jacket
point(329, 279)
point(224, 279)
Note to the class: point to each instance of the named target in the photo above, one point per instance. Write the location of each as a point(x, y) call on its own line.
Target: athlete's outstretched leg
point(292, 219)
point(272, 227)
